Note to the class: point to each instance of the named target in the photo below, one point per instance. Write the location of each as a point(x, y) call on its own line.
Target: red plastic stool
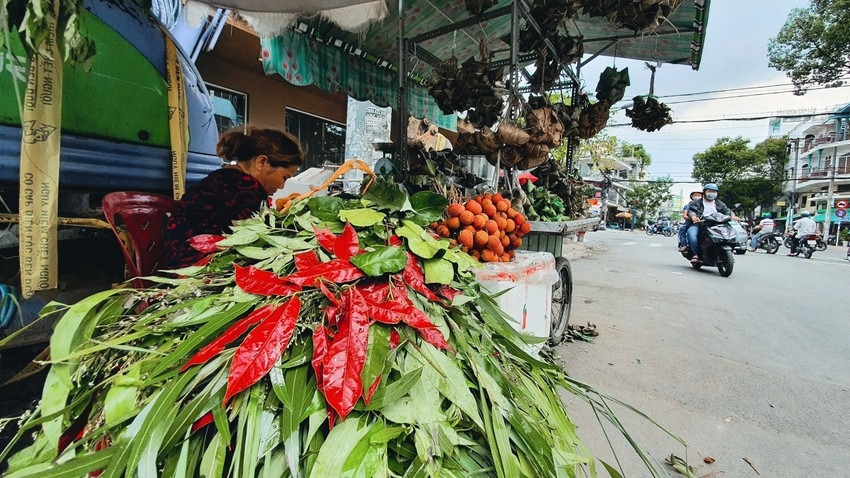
point(143, 216)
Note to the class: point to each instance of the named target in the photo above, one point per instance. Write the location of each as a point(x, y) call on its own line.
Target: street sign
point(840, 213)
point(841, 204)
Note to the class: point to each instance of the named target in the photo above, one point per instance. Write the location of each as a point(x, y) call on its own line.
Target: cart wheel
point(562, 295)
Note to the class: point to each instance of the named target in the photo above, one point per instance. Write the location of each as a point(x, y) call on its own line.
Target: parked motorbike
point(820, 244)
point(665, 229)
point(716, 241)
point(769, 242)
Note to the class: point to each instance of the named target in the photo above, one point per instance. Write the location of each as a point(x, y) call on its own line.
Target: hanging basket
point(535, 155)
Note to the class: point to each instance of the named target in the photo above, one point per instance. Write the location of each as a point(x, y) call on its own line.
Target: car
point(742, 237)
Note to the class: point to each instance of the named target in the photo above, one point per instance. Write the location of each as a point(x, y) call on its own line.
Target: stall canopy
point(366, 45)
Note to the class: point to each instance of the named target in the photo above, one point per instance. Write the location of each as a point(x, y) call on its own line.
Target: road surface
point(752, 370)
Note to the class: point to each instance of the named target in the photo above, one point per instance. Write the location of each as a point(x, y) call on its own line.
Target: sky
point(734, 56)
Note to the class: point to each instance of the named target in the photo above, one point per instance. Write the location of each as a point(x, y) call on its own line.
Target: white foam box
point(528, 281)
point(304, 183)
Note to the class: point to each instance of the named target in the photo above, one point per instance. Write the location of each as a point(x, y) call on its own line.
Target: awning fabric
point(302, 61)
point(820, 217)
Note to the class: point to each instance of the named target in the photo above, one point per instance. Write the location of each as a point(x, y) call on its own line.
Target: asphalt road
point(750, 368)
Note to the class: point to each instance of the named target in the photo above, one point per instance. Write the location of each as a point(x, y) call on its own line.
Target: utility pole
point(793, 200)
point(828, 212)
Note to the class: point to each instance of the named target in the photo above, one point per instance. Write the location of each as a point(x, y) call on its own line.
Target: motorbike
point(769, 242)
point(716, 240)
point(820, 244)
point(807, 246)
point(665, 229)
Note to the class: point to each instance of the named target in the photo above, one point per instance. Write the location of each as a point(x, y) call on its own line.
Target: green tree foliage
point(629, 150)
point(647, 198)
point(813, 47)
point(749, 176)
point(600, 149)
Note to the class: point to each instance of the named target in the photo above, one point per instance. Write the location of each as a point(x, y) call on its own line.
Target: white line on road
point(628, 243)
point(656, 244)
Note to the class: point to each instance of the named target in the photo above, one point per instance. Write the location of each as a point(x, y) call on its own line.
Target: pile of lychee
point(486, 227)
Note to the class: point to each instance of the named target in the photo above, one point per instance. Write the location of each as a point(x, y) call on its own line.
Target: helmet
point(710, 187)
point(766, 215)
point(805, 214)
point(695, 192)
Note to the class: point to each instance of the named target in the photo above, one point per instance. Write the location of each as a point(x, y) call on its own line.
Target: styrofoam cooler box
point(528, 281)
point(304, 183)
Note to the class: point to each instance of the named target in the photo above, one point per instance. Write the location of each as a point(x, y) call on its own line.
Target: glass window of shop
point(323, 140)
point(230, 107)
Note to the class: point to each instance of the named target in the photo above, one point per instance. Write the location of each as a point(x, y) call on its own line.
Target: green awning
point(820, 217)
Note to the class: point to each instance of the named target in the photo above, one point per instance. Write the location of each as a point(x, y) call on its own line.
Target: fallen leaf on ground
point(708, 460)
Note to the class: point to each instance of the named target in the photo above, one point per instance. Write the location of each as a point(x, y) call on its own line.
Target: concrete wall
point(235, 64)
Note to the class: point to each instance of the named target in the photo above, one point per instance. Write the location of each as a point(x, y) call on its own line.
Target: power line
point(748, 95)
point(749, 118)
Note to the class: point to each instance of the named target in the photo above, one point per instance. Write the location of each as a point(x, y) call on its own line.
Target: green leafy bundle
point(339, 339)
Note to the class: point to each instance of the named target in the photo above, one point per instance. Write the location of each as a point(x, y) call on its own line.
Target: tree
point(629, 150)
point(600, 149)
point(646, 199)
point(813, 47)
point(747, 176)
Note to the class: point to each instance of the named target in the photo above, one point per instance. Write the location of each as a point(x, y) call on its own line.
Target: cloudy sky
point(735, 56)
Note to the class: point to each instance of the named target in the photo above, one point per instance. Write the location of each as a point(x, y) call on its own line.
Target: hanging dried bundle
point(593, 119)
point(612, 85)
point(466, 144)
point(649, 114)
point(637, 15)
point(535, 155)
point(569, 116)
point(472, 87)
point(477, 7)
point(567, 186)
point(544, 126)
point(506, 156)
point(509, 133)
point(487, 141)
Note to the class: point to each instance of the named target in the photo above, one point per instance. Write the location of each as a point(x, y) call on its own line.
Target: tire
point(787, 243)
point(649, 231)
point(742, 251)
point(771, 246)
point(669, 233)
point(821, 246)
point(562, 296)
point(807, 252)
point(725, 263)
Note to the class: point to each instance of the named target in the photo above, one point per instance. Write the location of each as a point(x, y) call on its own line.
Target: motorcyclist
point(697, 209)
point(804, 227)
point(683, 229)
point(764, 228)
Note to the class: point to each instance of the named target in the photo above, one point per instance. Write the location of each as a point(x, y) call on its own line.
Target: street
point(752, 370)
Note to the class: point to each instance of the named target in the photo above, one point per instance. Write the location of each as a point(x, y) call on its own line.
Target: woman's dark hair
point(282, 148)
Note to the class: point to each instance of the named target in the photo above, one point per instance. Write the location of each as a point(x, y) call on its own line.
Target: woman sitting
point(256, 165)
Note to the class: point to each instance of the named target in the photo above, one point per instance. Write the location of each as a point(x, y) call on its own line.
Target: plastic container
point(528, 281)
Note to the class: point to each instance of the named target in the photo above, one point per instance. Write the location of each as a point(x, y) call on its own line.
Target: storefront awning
point(820, 217)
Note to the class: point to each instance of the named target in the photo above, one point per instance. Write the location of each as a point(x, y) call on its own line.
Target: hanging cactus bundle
point(593, 119)
point(649, 114)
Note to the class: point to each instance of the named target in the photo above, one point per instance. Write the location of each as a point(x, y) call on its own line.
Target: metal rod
point(462, 24)
point(400, 166)
point(632, 37)
point(598, 52)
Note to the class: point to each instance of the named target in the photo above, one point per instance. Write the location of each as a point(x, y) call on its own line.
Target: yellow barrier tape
point(65, 221)
point(177, 125)
point(39, 180)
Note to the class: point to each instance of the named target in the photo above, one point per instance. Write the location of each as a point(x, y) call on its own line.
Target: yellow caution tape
point(177, 121)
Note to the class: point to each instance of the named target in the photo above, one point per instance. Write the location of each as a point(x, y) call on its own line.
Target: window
point(229, 107)
point(323, 140)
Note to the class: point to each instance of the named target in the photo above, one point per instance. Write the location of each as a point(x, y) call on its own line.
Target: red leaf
point(337, 271)
point(262, 348)
point(415, 277)
point(346, 356)
point(328, 293)
point(77, 429)
point(347, 245)
point(320, 349)
point(420, 321)
point(385, 314)
point(204, 261)
point(205, 242)
point(448, 292)
point(257, 281)
point(326, 239)
point(332, 314)
point(394, 339)
point(331, 418)
point(202, 422)
point(101, 444)
point(367, 397)
point(234, 332)
point(306, 260)
point(376, 293)
point(394, 241)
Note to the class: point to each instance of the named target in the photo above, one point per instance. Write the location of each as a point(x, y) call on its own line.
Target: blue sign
point(841, 213)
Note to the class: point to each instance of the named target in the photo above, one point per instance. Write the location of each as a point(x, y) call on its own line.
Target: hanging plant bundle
point(549, 16)
point(472, 87)
point(593, 119)
point(636, 15)
point(544, 127)
point(612, 85)
point(649, 114)
point(486, 227)
point(339, 339)
point(569, 116)
point(567, 186)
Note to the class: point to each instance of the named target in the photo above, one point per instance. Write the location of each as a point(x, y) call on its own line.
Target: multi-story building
point(610, 177)
point(820, 165)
